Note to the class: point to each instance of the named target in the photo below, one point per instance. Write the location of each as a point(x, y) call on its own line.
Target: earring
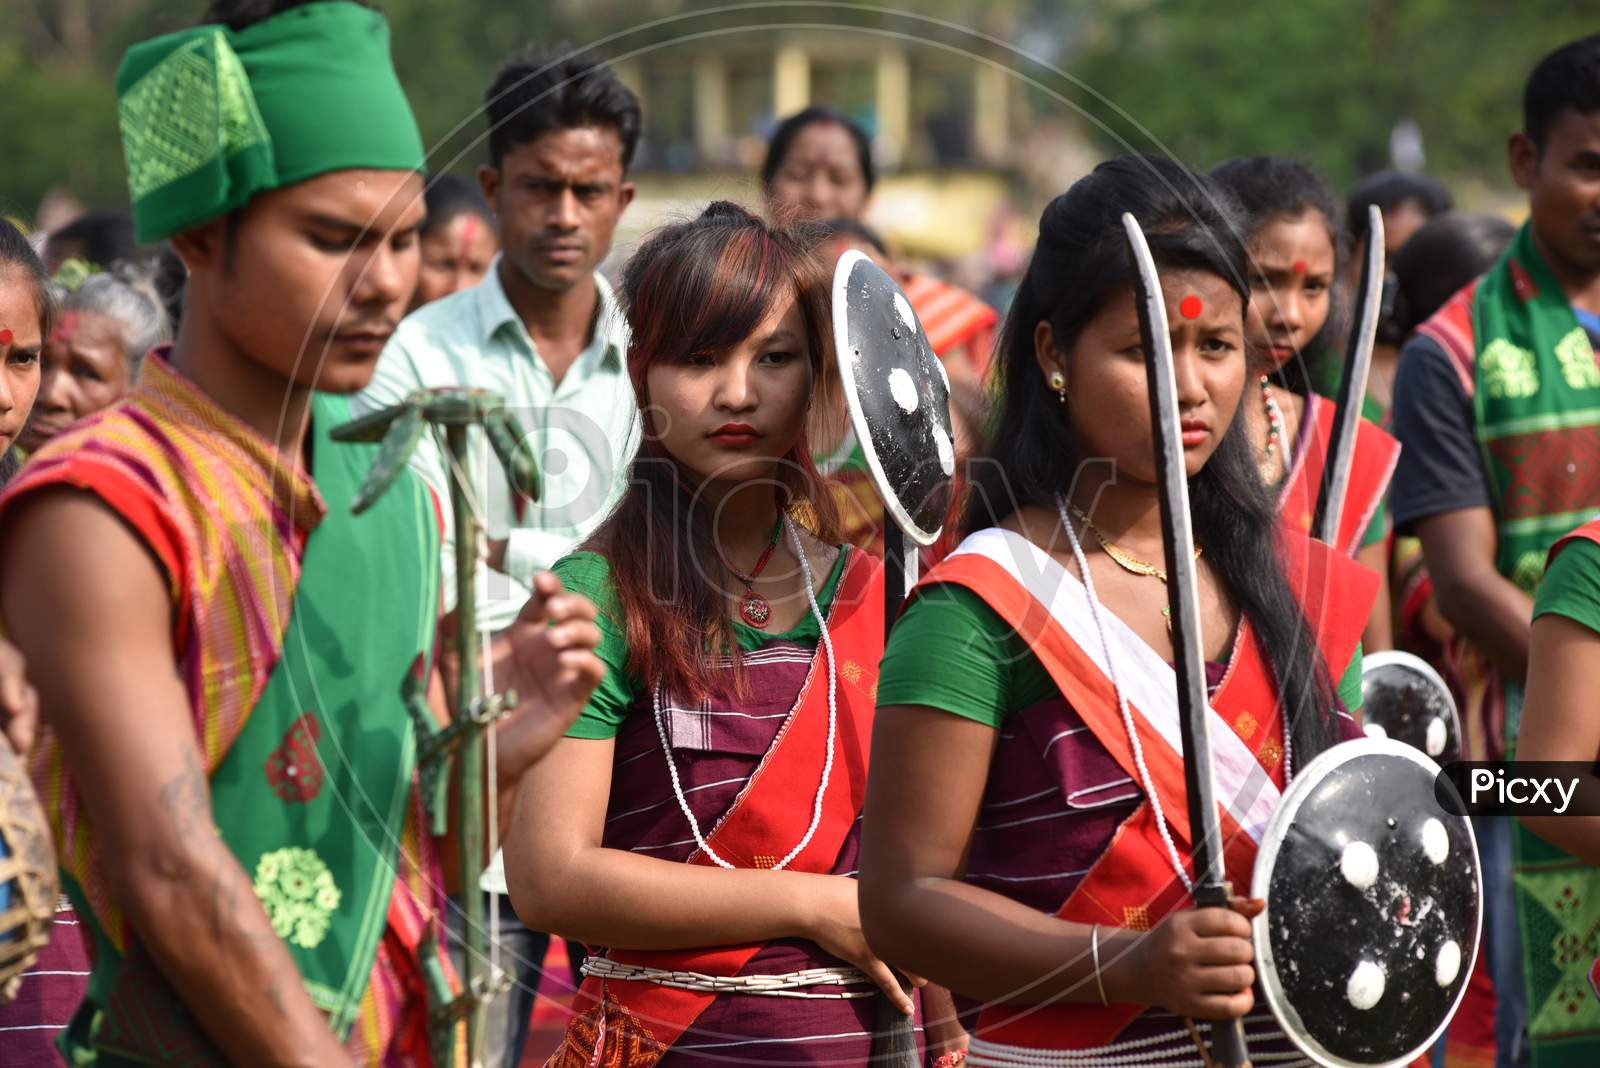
point(1058, 382)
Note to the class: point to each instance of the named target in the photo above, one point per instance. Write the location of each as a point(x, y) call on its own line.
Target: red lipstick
point(735, 435)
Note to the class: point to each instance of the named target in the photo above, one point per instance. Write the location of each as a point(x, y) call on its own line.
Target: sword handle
point(1228, 1049)
point(894, 1035)
point(1228, 1046)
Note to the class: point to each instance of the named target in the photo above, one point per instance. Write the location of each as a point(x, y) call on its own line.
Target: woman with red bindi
point(1291, 330)
point(459, 239)
point(27, 312)
point(91, 358)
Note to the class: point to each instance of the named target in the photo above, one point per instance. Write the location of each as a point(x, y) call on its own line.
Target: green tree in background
point(1321, 79)
point(1327, 79)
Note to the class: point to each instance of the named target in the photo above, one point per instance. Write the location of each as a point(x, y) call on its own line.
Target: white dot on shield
point(902, 308)
point(1359, 863)
point(947, 454)
point(1436, 736)
point(903, 389)
point(1447, 965)
point(1365, 988)
point(1435, 840)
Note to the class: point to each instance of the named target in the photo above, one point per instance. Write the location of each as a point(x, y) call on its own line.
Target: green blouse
point(951, 651)
point(1571, 585)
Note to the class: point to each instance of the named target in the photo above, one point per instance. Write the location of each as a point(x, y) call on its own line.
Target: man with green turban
point(220, 644)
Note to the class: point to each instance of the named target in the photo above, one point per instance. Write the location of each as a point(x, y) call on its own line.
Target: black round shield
point(898, 395)
point(1403, 698)
point(1374, 897)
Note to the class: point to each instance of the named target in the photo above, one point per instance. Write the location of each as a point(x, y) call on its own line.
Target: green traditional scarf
point(1537, 415)
point(211, 117)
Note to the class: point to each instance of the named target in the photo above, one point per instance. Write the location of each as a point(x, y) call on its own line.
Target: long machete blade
point(1183, 598)
point(1352, 389)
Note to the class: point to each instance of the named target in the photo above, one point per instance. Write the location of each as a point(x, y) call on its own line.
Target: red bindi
point(5, 336)
point(1299, 266)
point(1191, 306)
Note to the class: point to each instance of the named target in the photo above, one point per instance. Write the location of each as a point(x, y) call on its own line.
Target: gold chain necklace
point(1124, 560)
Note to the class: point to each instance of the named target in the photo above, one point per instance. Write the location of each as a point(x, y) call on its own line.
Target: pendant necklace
point(1126, 560)
point(754, 608)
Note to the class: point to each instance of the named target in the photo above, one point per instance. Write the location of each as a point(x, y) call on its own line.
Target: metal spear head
point(516, 455)
point(399, 442)
point(371, 427)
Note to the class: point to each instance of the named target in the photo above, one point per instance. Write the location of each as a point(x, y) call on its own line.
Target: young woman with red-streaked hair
point(710, 794)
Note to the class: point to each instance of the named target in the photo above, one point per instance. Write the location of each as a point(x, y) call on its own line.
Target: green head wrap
point(211, 117)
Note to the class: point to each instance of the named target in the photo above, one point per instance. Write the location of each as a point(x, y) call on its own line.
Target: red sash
point(1132, 884)
point(1370, 468)
point(633, 1023)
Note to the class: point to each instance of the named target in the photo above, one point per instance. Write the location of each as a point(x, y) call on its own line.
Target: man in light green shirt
point(543, 329)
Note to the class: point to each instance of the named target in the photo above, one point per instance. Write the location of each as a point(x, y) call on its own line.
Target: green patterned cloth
point(1536, 407)
point(211, 117)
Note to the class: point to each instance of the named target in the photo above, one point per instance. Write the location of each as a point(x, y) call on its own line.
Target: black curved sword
point(1352, 388)
point(1211, 888)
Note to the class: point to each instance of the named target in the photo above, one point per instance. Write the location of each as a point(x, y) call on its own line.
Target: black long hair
point(1272, 187)
point(1080, 262)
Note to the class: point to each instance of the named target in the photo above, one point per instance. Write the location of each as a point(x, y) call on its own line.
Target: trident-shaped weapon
point(400, 428)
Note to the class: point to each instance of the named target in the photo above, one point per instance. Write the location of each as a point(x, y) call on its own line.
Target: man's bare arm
point(1482, 605)
point(88, 606)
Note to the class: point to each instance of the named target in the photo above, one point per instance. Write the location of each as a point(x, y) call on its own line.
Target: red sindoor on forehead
point(1300, 267)
point(1191, 306)
point(5, 335)
point(469, 230)
point(67, 327)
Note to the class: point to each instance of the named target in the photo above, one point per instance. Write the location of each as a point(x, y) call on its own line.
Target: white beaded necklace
point(1127, 715)
point(1122, 701)
point(833, 723)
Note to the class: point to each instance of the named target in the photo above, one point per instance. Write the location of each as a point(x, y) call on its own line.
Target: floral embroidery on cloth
point(1577, 360)
point(1509, 370)
point(1568, 924)
point(294, 770)
point(299, 894)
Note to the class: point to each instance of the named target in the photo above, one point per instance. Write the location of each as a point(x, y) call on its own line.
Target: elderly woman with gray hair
point(91, 358)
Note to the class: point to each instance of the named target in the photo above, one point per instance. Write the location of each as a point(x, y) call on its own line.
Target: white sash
point(1148, 681)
